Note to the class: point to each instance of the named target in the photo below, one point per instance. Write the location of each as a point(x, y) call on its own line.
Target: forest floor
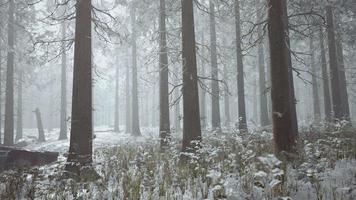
point(228, 166)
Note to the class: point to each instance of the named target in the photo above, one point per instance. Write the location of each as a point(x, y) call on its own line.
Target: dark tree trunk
point(290, 68)
point(215, 96)
point(262, 74)
point(135, 122)
point(116, 112)
point(9, 99)
point(240, 71)
point(81, 136)
point(19, 128)
point(284, 137)
point(316, 101)
point(327, 100)
point(41, 135)
point(0, 97)
point(343, 85)
point(334, 72)
point(191, 120)
point(128, 100)
point(164, 125)
point(63, 112)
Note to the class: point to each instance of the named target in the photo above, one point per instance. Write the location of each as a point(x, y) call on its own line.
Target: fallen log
point(16, 158)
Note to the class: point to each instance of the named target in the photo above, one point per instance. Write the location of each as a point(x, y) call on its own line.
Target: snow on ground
point(228, 166)
point(104, 137)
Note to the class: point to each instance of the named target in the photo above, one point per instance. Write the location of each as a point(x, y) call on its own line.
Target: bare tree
point(41, 135)
point(81, 136)
point(191, 120)
point(116, 111)
point(215, 94)
point(282, 101)
point(240, 70)
point(135, 122)
point(316, 101)
point(63, 111)
point(164, 124)
point(325, 76)
point(9, 100)
point(334, 73)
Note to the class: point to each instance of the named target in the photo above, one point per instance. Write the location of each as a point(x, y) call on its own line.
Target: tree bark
point(262, 74)
point(316, 101)
point(290, 68)
point(116, 112)
point(41, 135)
point(191, 120)
point(164, 125)
point(283, 134)
point(343, 83)
point(334, 72)
point(177, 111)
point(135, 122)
point(81, 136)
point(19, 128)
point(326, 88)
point(128, 100)
point(9, 99)
point(202, 94)
point(240, 70)
point(215, 94)
point(63, 112)
point(226, 100)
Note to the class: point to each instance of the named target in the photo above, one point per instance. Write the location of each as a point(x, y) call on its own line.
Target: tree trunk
point(135, 117)
point(240, 71)
point(191, 120)
point(19, 128)
point(41, 135)
point(284, 137)
point(262, 74)
point(316, 101)
point(177, 112)
point(334, 72)
point(227, 100)
point(81, 136)
point(116, 112)
point(128, 100)
point(9, 99)
point(202, 94)
point(0, 97)
point(290, 69)
point(63, 112)
point(164, 125)
point(215, 96)
point(343, 83)
point(327, 100)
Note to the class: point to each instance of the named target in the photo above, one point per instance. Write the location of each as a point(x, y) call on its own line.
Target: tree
point(240, 70)
point(116, 112)
point(215, 96)
point(282, 100)
point(80, 149)
point(334, 72)
point(19, 105)
point(326, 90)
point(128, 99)
point(135, 122)
point(9, 99)
point(41, 135)
point(191, 119)
point(164, 125)
point(63, 112)
point(262, 74)
point(316, 101)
